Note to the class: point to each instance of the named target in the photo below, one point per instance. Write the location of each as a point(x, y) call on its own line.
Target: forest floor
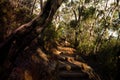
point(34, 64)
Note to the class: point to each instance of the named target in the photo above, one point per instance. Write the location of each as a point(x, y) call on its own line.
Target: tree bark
point(41, 4)
point(23, 36)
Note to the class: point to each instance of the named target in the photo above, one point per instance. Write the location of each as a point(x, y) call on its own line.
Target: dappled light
point(59, 40)
point(42, 54)
point(27, 75)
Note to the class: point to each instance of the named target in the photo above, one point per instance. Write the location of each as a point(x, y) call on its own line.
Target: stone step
point(72, 74)
point(63, 57)
point(65, 63)
point(79, 78)
point(66, 55)
point(68, 66)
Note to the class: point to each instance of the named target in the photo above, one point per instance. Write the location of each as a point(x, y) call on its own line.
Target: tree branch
point(25, 31)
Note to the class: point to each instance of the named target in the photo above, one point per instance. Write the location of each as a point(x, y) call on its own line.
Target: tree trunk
point(23, 36)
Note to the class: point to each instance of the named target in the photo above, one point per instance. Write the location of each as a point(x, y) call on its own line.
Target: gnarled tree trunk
point(25, 34)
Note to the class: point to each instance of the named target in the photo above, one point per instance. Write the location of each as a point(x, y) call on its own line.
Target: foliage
point(11, 17)
point(88, 13)
point(93, 25)
point(50, 33)
point(95, 30)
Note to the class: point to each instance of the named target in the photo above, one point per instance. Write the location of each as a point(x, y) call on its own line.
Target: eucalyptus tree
point(85, 23)
point(78, 17)
point(17, 41)
point(106, 21)
point(92, 27)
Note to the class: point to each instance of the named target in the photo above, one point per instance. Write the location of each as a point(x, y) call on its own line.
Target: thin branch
point(33, 7)
point(75, 14)
point(41, 4)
